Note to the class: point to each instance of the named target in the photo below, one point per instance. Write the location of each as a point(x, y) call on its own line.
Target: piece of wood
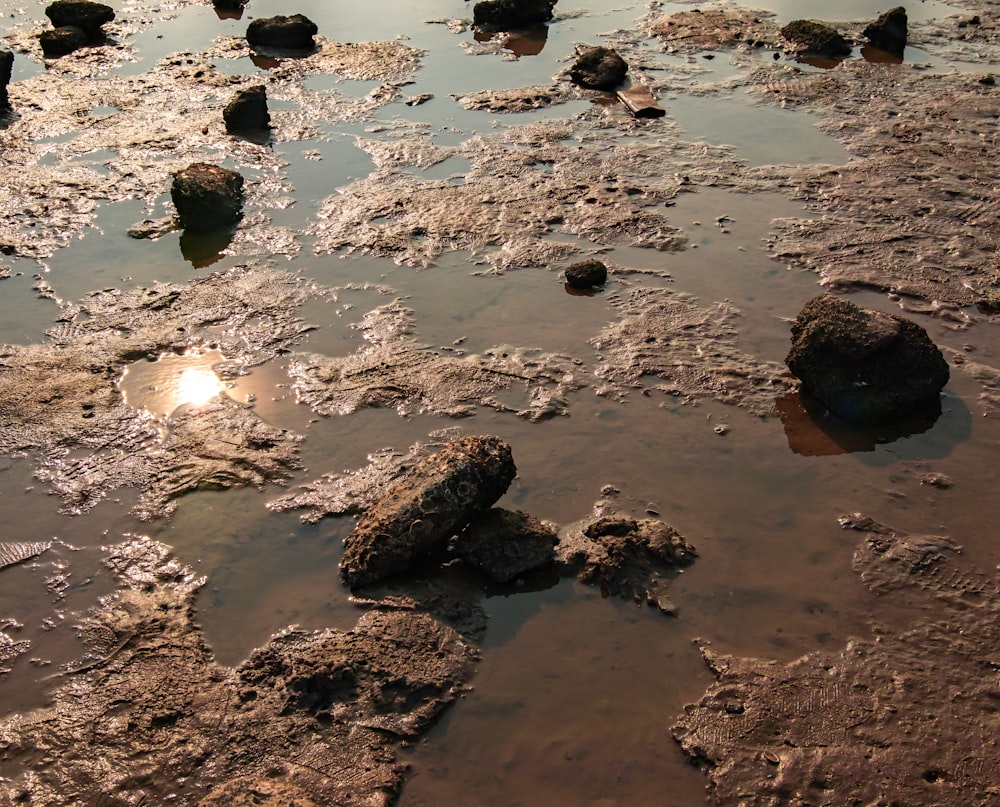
point(640, 102)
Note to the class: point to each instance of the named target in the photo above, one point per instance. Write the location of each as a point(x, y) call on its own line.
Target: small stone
point(247, 111)
point(295, 32)
point(816, 38)
point(82, 14)
point(207, 197)
point(586, 274)
point(63, 40)
point(889, 31)
point(599, 69)
point(506, 544)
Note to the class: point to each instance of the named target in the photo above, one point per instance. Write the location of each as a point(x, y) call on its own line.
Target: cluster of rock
point(813, 38)
point(76, 24)
point(443, 508)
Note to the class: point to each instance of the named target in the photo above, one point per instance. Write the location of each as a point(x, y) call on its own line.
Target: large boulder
point(505, 544)
point(506, 15)
point(83, 14)
point(864, 365)
point(58, 42)
point(420, 513)
point(295, 32)
point(6, 69)
point(889, 31)
point(599, 69)
point(247, 111)
point(816, 38)
point(207, 196)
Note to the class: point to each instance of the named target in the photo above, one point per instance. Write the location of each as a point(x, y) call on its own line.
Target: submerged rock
point(295, 32)
point(6, 68)
point(506, 543)
point(84, 14)
point(422, 510)
point(586, 274)
point(505, 15)
point(866, 366)
point(626, 557)
point(816, 38)
point(63, 40)
point(889, 31)
point(247, 111)
point(207, 196)
point(599, 69)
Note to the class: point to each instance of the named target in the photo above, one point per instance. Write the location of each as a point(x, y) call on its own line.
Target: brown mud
point(147, 715)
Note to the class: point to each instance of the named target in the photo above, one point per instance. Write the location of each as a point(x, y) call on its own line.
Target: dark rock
point(599, 69)
point(866, 366)
point(229, 5)
point(584, 274)
point(207, 196)
point(505, 15)
point(889, 31)
point(640, 102)
point(80, 13)
point(247, 111)
point(420, 513)
point(295, 32)
point(506, 543)
point(816, 38)
point(60, 41)
point(6, 69)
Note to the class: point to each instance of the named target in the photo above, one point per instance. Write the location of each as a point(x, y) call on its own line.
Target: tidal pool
point(397, 214)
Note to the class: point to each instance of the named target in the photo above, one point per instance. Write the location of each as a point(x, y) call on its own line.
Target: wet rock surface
point(508, 15)
point(312, 716)
point(247, 111)
point(83, 14)
point(506, 543)
point(586, 274)
point(864, 724)
point(626, 557)
point(207, 197)
point(866, 366)
point(889, 31)
point(62, 41)
point(295, 32)
point(599, 69)
point(423, 509)
point(816, 38)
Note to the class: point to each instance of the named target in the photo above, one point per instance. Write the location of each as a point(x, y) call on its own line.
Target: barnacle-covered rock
point(420, 513)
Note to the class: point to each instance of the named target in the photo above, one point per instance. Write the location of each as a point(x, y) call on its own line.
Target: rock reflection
point(877, 56)
point(528, 42)
point(813, 431)
point(204, 249)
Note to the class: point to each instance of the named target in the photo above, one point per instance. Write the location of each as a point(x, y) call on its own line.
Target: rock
point(504, 15)
point(207, 196)
point(295, 32)
point(816, 38)
point(81, 14)
point(889, 31)
point(584, 274)
point(599, 69)
point(60, 41)
point(229, 5)
point(6, 69)
point(506, 543)
point(865, 366)
point(247, 111)
point(439, 497)
point(640, 102)
point(626, 557)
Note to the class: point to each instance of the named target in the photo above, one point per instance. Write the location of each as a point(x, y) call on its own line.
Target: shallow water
point(575, 695)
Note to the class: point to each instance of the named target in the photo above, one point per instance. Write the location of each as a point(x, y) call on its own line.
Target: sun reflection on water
point(163, 385)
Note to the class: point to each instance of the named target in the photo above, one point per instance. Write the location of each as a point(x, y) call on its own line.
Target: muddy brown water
point(575, 694)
